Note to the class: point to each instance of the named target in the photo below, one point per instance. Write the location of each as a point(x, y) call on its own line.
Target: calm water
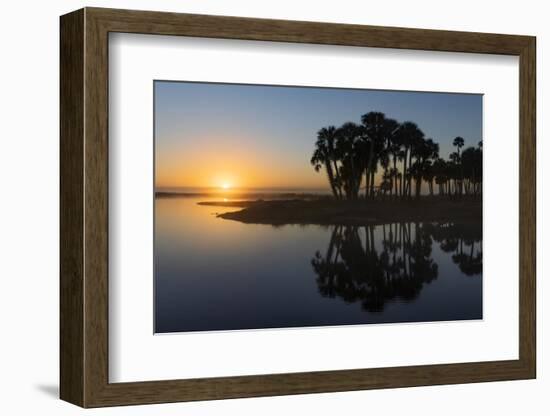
point(216, 274)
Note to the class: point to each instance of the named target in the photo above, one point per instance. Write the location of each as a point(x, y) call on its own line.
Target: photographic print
point(292, 206)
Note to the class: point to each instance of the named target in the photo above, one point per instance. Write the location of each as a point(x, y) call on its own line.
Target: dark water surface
point(216, 274)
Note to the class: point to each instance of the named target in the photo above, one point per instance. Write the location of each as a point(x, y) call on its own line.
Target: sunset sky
point(246, 136)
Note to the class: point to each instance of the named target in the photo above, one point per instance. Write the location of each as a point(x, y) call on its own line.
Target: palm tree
point(440, 172)
point(377, 132)
point(409, 135)
point(458, 142)
point(391, 147)
point(323, 156)
point(472, 165)
point(393, 174)
point(348, 150)
point(428, 175)
point(394, 149)
point(353, 151)
point(424, 151)
point(454, 170)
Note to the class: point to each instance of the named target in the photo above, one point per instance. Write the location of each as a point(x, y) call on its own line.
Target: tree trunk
point(337, 170)
point(410, 176)
point(330, 175)
point(395, 172)
point(403, 178)
point(418, 185)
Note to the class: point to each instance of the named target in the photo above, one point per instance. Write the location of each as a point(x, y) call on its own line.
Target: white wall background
point(29, 85)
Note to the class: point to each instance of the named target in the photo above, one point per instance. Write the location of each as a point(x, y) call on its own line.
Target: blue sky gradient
point(280, 123)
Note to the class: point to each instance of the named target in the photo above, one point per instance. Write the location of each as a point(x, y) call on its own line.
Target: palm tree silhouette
point(425, 151)
point(351, 155)
point(472, 165)
point(323, 156)
point(458, 142)
point(348, 148)
point(378, 136)
point(441, 173)
point(410, 137)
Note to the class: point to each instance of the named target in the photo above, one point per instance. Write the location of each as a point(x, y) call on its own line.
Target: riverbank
point(332, 212)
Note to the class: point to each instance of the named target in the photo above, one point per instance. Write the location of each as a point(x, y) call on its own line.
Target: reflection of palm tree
point(469, 265)
point(355, 270)
point(464, 241)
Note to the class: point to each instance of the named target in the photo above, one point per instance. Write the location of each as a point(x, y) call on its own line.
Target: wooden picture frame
point(84, 207)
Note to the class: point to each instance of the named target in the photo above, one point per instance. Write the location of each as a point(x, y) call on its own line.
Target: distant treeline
point(352, 154)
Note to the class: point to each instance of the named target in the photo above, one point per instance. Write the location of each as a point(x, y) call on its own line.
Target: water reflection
point(354, 269)
point(464, 241)
point(214, 274)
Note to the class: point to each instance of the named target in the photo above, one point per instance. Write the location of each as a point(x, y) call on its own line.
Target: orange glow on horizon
point(224, 163)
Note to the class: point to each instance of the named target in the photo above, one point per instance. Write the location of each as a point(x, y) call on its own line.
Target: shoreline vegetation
point(352, 155)
point(327, 211)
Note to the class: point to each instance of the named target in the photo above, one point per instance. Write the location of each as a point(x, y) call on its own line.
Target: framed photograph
point(260, 207)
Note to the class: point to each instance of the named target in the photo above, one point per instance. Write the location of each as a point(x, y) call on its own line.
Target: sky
point(252, 136)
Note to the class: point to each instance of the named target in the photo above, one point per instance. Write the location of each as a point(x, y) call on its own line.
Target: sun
point(226, 185)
